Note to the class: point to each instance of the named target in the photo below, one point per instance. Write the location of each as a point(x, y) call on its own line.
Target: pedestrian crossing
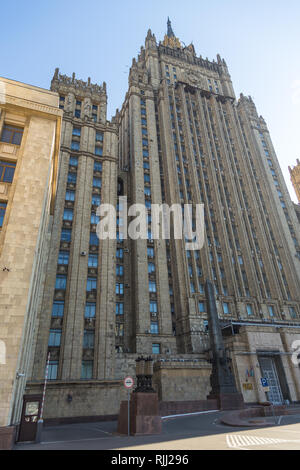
point(239, 440)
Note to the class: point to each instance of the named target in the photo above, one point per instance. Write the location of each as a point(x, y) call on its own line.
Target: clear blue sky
point(259, 39)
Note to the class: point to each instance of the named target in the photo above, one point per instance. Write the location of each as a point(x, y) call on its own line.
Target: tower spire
point(170, 32)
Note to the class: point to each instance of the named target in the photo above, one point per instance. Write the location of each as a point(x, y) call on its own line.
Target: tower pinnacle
point(170, 32)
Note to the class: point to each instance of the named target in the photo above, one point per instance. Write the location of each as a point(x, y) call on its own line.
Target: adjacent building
point(30, 125)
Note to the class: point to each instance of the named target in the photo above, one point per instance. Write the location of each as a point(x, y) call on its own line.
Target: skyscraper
point(180, 137)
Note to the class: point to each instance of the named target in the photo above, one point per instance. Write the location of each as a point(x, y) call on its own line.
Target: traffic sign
point(128, 382)
point(264, 382)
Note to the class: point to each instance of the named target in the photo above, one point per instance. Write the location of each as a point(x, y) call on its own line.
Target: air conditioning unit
point(83, 253)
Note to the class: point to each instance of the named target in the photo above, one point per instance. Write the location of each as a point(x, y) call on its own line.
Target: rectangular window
point(226, 308)
point(58, 309)
point(76, 131)
point(70, 195)
point(97, 166)
point(68, 214)
point(93, 261)
point(61, 282)
point(95, 219)
point(153, 308)
point(72, 178)
point(66, 235)
point(292, 311)
point(96, 200)
point(63, 257)
point(12, 134)
point(75, 145)
point(97, 182)
point(91, 284)
point(155, 348)
point(52, 371)
point(249, 309)
point(2, 212)
point(54, 338)
point(94, 240)
point(154, 328)
point(201, 307)
point(73, 161)
point(7, 170)
point(99, 136)
point(88, 339)
point(120, 270)
point(152, 286)
point(119, 289)
point(271, 311)
point(151, 268)
point(90, 310)
point(120, 253)
point(119, 308)
point(86, 370)
point(98, 151)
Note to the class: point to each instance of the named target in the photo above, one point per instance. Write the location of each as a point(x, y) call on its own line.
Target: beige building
point(30, 125)
point(181, 137)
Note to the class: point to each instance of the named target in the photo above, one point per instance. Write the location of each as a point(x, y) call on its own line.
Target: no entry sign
point(128, 383)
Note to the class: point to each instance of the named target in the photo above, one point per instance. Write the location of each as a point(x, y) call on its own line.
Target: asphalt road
point(193, 432)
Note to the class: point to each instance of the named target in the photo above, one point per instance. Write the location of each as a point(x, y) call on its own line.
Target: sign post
point(128, 384)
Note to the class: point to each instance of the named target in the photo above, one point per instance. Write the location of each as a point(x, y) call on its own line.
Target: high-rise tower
point(182, 138)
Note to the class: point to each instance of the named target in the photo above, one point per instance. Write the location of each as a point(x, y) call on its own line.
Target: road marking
point(191, 414)
point(239, 440)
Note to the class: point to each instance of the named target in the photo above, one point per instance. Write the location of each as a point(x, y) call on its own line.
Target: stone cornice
point(6, 99)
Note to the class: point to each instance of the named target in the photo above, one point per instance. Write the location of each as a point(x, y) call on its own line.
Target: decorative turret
point(170, 39)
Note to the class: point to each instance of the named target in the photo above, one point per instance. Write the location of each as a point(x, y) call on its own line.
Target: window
point(99, 136)
point(97, 182)
point(119, 289)
point(7, 170)
point(90, 310)
point(58, 309)
point(151, 268)
point(98, 151)
point(271, 311)
point(153, 308)
point(119, 331)
point(97, 166)
point(52, 371)
point(66, 235)
point(201, 307)
point(91, 284)
point(150, 252)
point(70, 195)
point(76, 131)
point(88, 339)
point(95, 219)
point(94, 240)
point(73, 161)
point(75, 145)
point(12, 134)
point(147, 178)
point(87, 370)
point(155, 348)
point(2, 212)
point(61, 282)
point(119, 308)
point(77, 113)
point(154, 328)
point(68, 214)
point(292, 311)
point(147, 191)
point(72, 177)
point(152, 286)
point(249, 309)
point(96, 200)
point(226, 308)
point(120, 270)
point(54, 338)
point(93, 261)
point(63, 257)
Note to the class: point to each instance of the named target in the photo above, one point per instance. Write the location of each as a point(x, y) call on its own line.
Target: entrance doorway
point(269, 371)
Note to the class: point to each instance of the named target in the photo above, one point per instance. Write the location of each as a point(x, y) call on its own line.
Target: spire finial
point(170, 32)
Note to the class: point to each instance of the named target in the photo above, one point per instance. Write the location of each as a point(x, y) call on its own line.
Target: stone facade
point(30, 125)
point(180, 137)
